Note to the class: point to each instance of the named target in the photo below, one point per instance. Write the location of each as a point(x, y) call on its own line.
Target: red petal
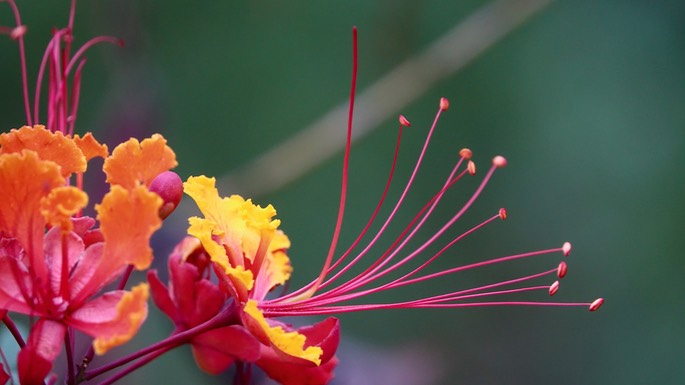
point(216, 350)
point(113, 318)
point(182, 277)
point(210, 299)
point(35, 359)
point(54, 240)
point(160, 295)
point(287, 373)
point(325, 334)
point(11, 274)
point(4, 377)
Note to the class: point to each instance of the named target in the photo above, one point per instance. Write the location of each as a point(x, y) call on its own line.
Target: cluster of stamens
point(321, 296)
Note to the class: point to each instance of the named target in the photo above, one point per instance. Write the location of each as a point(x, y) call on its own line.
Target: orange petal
point(90, 147)
point(113, 318)
point(24, 181)
point(135, 162)
point(127, 221)
point(59, 206)
point(132, 312)
point(49, 146)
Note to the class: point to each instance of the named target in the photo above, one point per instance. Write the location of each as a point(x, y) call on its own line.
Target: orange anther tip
point(404, 122)
point(18, 32)
point(499, 161)
point(503, 213)
point(562, 269)
point(465, 153)
point(596, 304)
point(566, 248)
point(553, 288)
point(444, 104)
point(471, 167)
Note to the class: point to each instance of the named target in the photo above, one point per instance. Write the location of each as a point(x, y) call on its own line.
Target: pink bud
point(404, 122)
point(169, 187)
point(444, 104)
point(596, 304)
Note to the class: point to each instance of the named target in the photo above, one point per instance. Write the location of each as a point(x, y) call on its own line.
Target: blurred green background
point(586, 100)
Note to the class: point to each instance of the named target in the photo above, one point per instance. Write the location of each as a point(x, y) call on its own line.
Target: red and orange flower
point(54, 260)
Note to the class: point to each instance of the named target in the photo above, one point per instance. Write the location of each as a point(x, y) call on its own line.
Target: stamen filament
point(356, 308)
point(87, 45)
point(368, 224)
point(22, 58)
point(369, 275)
point(312, 287)
point(433, 258)
point(75, 96)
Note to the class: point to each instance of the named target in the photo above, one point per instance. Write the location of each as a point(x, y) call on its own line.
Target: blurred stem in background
point(389, 95)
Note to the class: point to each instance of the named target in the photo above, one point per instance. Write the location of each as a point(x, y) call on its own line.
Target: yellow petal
point(291, 343)
point(278, 266)
point(238, 223)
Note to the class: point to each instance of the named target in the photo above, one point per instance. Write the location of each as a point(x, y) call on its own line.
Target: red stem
point(224, 318)
point(12, 327)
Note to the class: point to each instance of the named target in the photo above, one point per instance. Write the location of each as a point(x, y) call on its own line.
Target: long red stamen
point(403, 281)
point(75, 96)
point(312, 287)
point(18, 34)
point(593, 306)
point(371, 219)
point(72, 15)
point(89, 44)
point(395, 209)
point(370, 275)
point(62, 110)
point(472, 266)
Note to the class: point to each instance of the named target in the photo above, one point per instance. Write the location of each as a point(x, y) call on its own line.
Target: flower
point(193, 299)
point(53, 261)
point(241, 243)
